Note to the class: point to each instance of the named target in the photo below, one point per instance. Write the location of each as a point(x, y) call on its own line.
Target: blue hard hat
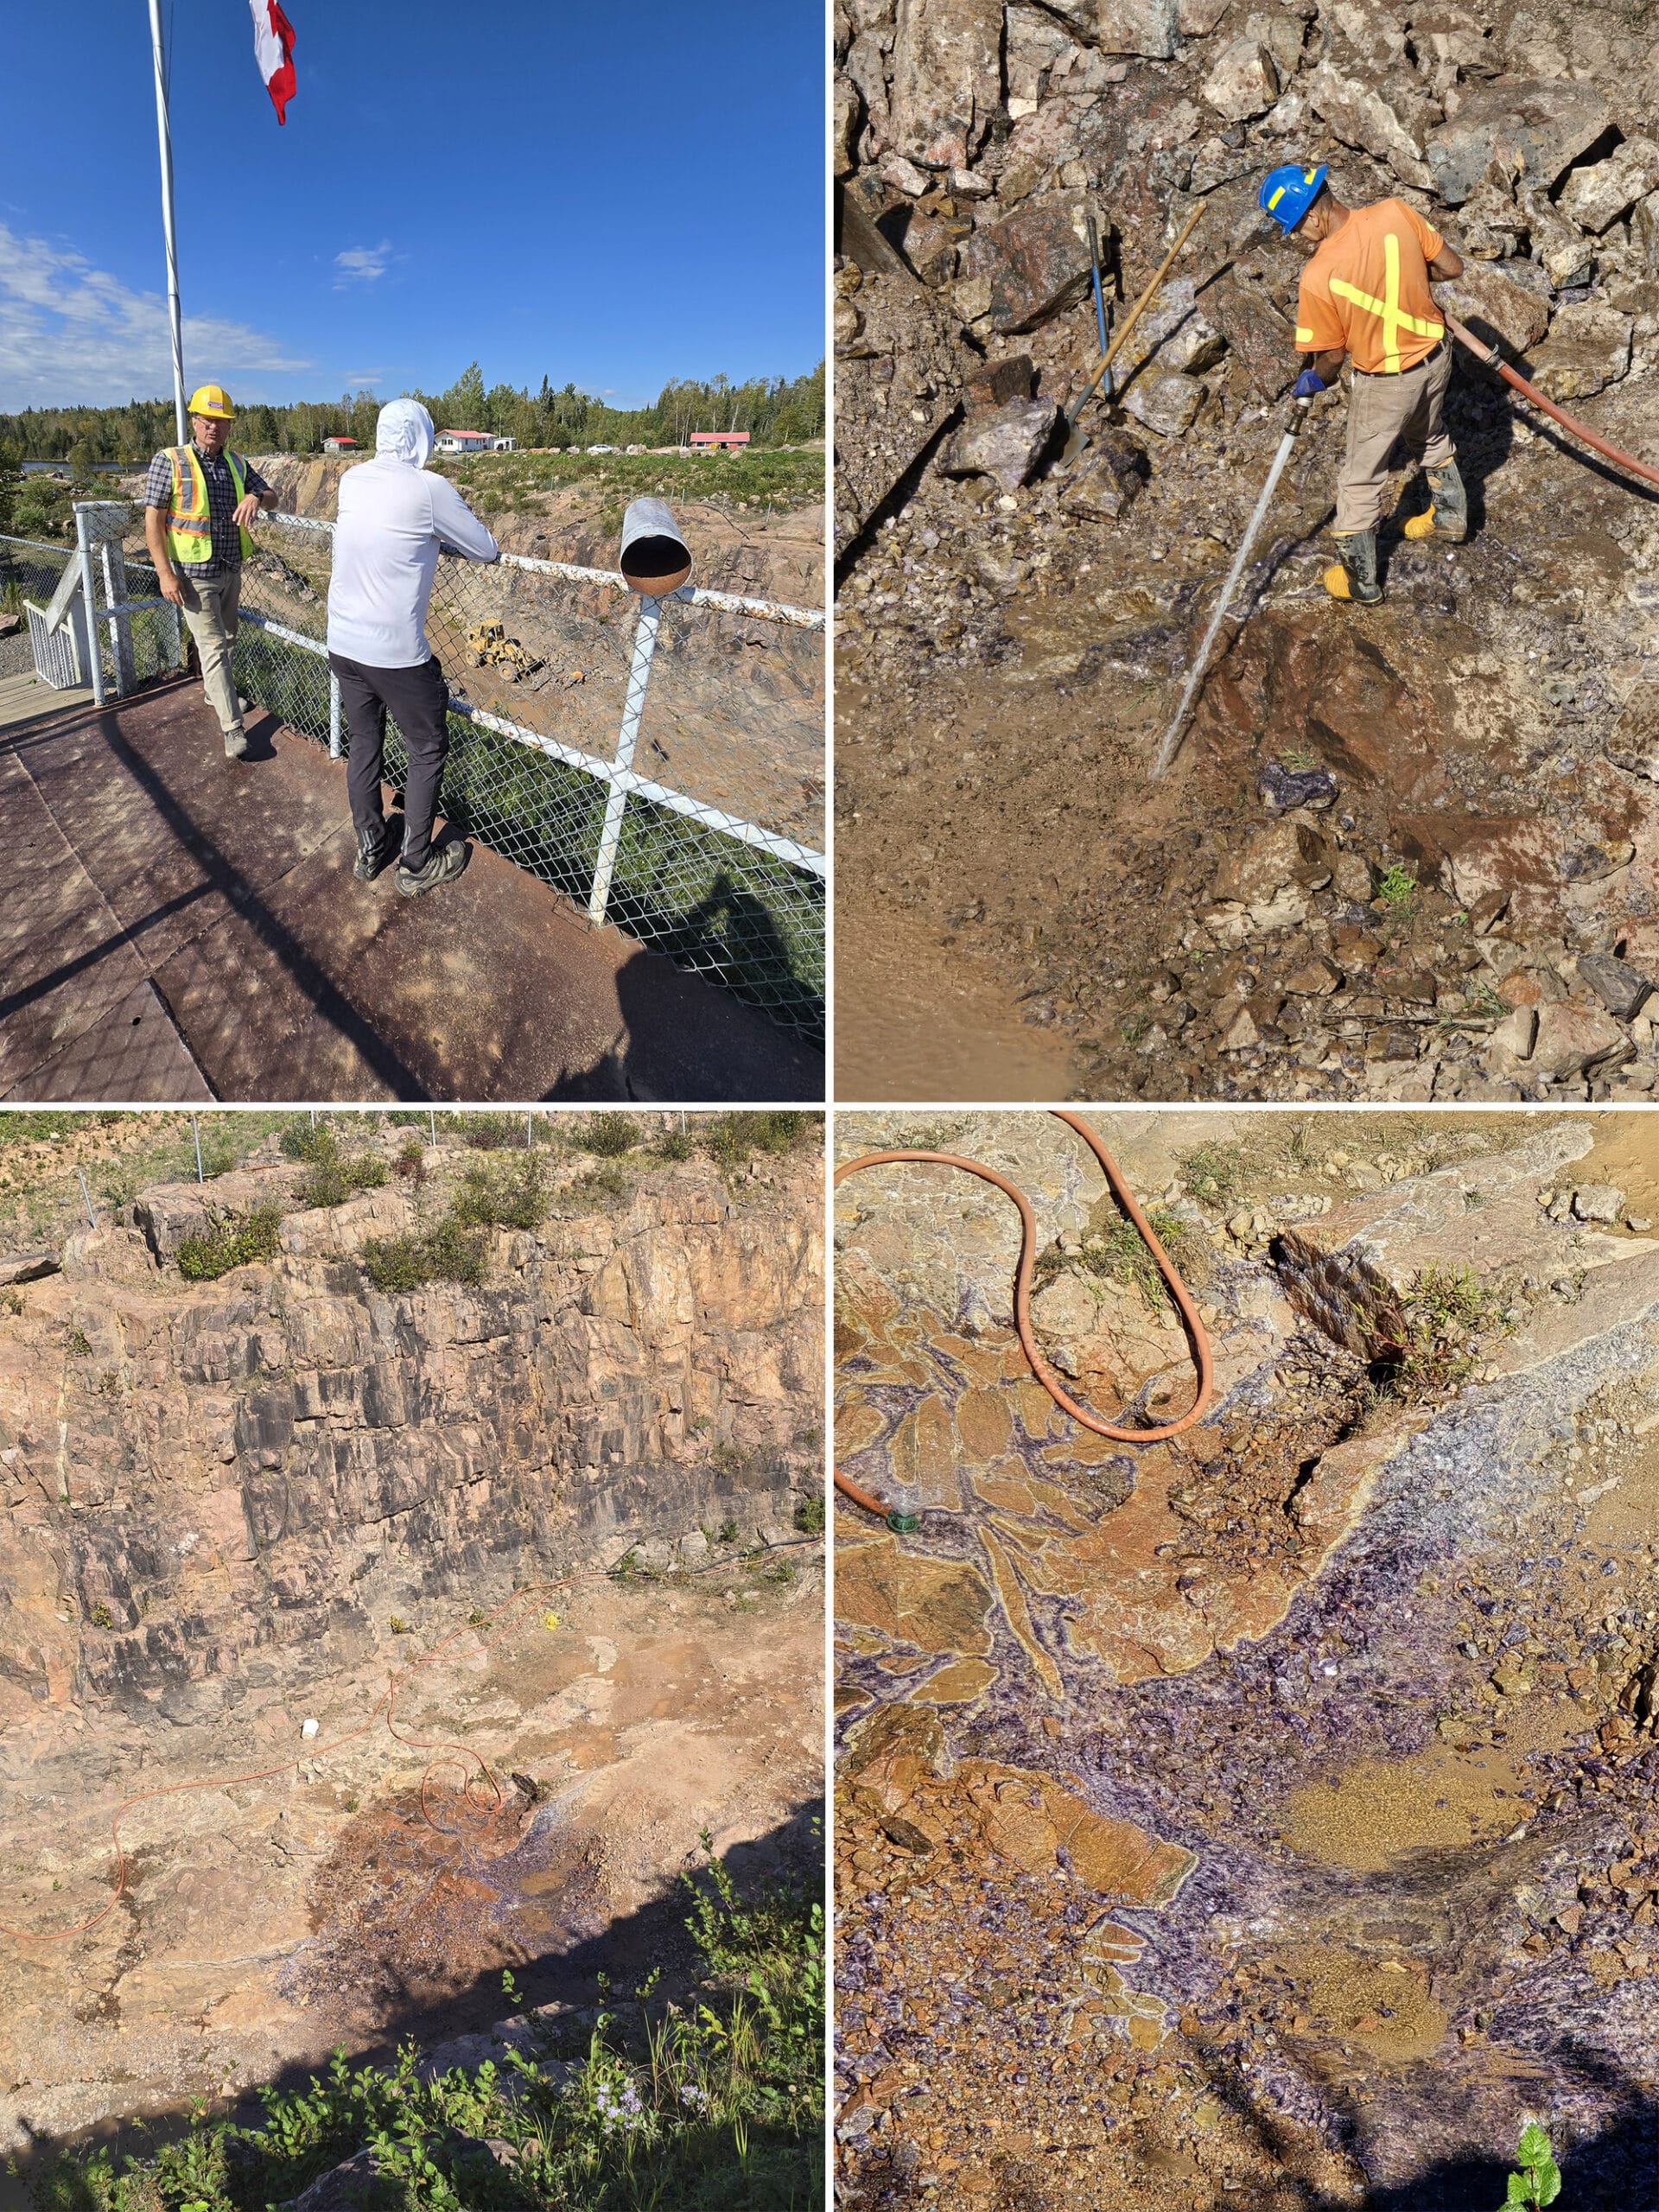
point(1286, 194)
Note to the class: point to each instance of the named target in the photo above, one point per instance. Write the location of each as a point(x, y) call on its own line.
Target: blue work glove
point(1308, 385)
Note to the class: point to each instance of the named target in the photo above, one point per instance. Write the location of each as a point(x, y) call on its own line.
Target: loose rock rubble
point(1466, 905)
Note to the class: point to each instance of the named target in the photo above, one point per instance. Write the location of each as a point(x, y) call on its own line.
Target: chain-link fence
point(659, 761)
point(135, 635)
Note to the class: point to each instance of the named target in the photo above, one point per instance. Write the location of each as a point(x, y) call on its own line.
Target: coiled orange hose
point(474, 1767)
point(1039, 1367)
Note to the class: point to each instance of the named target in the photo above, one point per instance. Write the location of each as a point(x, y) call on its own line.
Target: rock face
point(1036, 262)
point(1589, 348)
point(1550, 125)
point(1007, 443)
point(215, 1487)
point(947, 77)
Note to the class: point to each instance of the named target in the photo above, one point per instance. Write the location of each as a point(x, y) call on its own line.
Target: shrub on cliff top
point(733, 1138)
point(510, 1194)
point(449, 1253)
point(609, 1136)
point(230, 1241)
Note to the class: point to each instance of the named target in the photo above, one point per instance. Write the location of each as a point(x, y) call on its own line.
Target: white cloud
point(72, 335)
point(362, 263)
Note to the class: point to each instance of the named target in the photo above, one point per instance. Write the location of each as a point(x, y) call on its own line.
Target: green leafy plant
point(410, 1163)
point(1539, 2180)
point(1396, 888)
point(809, 1514)
point(678, 1144)
point(230, 1240)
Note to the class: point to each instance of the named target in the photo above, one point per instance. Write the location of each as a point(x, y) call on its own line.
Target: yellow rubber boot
point(1353, 577)
point(1448, 518)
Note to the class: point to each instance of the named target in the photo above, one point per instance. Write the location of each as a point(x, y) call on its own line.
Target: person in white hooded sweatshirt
point(395, 515)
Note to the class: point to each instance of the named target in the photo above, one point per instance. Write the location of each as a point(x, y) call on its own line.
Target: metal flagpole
point(165, 135)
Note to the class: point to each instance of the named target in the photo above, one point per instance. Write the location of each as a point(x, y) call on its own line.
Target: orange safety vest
point(189, 524)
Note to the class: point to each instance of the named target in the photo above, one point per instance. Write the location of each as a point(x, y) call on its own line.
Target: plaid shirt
point(221, 506)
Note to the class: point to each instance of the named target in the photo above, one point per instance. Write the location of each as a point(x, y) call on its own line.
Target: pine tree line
point(774, 411)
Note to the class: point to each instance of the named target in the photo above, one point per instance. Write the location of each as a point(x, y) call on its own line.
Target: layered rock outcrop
point(212, 1487)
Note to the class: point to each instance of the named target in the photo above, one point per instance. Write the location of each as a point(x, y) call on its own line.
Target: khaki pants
point(1411, 408)
point(210, 605)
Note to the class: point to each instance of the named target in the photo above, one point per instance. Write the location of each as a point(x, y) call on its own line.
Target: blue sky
point(607, 196)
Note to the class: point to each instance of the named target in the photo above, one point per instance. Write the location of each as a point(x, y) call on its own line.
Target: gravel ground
point(16, 654)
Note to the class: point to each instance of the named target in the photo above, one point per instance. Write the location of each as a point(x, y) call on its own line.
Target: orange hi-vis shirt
point(1366, 291)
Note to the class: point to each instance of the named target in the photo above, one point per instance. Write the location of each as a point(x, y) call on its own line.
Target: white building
point(471, 442)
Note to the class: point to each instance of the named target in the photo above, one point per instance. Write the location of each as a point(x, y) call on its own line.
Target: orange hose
point(1039, 1367)
point(1493, 359)
point(474, 1767)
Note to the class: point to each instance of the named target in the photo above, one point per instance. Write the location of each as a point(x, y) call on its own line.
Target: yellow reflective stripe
point(1308, 175)
point(1303, 337)
point(1393, 316)
point(1276, 198)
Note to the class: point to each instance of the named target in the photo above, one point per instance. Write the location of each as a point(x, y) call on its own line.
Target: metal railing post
point(645, 645)
point(333, 715)
point(89, 597)
point(115, 587)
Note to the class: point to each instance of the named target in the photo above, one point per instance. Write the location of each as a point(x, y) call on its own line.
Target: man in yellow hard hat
point(199, 501)
point(1365, 298)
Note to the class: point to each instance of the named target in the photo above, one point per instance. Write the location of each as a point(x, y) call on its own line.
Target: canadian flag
point(273, 49)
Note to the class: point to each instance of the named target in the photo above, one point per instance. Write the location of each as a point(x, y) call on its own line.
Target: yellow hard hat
point(212, 400)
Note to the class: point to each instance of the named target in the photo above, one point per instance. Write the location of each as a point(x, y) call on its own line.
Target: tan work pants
point(210, 606)
point(1411, 408)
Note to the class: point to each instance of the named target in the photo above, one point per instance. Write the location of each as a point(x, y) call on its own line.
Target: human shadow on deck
point(224, 876)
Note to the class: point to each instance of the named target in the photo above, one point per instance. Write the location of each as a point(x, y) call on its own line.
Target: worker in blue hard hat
point(1365, 299)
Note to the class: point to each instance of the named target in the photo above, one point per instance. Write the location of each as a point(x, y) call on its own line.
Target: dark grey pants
point(416, 699)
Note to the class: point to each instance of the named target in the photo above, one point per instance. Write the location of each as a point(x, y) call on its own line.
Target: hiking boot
point(443, 864)
point(236, 744)
point(1355, 577)
point(1448, 518)
point(374, 849)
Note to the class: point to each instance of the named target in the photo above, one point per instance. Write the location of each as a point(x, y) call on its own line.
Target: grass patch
point(488, 1132)
point(1118, 1252)
point(714, 2104)
point(1215, 1173)
point(1451, 1315)
point(600, 1186)
point(809, 1514)
point(779, 476)
point(334, 1175)
point(31, 1128)
point(230, 1240)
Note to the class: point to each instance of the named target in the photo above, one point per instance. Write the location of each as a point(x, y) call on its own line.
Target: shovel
point(1076, 441)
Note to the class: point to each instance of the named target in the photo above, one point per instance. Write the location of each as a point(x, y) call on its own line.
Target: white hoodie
point(394, 515)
